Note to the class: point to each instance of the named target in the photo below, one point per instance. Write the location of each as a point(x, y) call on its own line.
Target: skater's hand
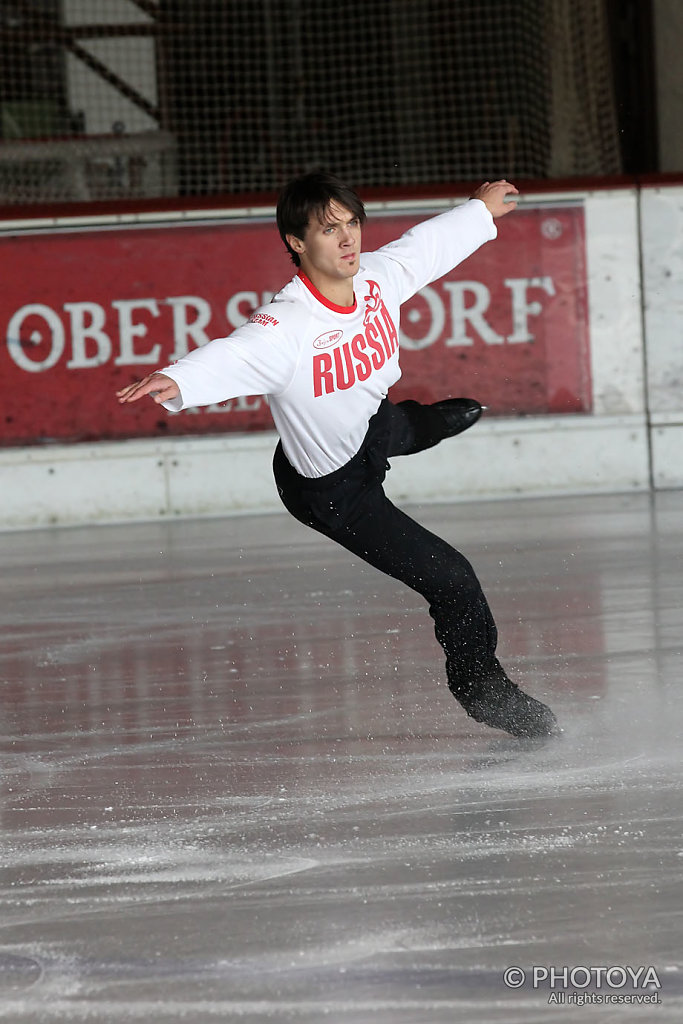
point(158, 385)
point(493, 195)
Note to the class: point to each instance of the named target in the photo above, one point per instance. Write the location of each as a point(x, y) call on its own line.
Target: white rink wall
point(662, 242)
point(631, 441)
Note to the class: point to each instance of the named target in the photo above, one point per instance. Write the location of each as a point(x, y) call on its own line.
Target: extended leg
point(355, 512)
point(432, 423)
point(394, 543)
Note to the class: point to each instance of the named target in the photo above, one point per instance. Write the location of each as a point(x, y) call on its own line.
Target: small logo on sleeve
point(263, 319)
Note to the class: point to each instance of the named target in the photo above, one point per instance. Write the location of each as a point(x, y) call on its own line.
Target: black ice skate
point(500, 703)
point(458, 414)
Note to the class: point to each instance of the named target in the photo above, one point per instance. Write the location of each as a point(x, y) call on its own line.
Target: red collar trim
point(326, 302)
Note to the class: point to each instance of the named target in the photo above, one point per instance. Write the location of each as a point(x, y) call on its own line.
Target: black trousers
point(350, 506)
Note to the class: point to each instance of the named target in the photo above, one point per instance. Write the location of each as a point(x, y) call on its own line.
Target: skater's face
point(330, 249)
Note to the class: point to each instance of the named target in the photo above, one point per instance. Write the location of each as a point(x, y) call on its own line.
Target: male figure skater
point(326, 351)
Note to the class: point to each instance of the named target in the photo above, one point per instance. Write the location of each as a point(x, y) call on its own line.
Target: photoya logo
point(328, 339)
point(613, 985)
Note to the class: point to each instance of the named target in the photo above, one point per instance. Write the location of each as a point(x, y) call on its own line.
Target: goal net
point(123, 99)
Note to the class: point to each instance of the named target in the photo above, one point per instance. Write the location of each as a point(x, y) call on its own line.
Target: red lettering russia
point(340, 369)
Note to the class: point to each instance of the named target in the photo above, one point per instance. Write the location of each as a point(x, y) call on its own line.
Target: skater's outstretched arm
point(158, 385)
point(494, 195)
point(258, 358)
point(434, 247)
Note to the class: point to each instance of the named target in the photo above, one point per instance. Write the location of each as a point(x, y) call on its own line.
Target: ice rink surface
point(234, 785)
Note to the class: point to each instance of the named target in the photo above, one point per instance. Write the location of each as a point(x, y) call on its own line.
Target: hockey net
point(124, 99)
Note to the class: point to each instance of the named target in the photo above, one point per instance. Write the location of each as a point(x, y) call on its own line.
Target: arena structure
point(235, 784)
point(142, 147)
point(565, 327)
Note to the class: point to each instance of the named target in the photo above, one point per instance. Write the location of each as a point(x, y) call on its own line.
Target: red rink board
point(85, 312)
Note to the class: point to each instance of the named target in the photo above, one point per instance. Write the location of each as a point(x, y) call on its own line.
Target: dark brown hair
point(311, 194)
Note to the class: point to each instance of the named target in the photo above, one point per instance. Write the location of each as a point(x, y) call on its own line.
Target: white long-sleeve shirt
point(326, 368)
